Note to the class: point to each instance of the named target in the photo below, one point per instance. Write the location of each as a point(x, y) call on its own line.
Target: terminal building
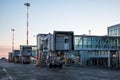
point(114, 30)
point(89, 49)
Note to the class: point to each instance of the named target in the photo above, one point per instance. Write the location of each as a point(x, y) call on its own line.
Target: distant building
point(114, 30)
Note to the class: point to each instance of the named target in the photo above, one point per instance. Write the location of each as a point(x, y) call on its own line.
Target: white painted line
point(10, 78)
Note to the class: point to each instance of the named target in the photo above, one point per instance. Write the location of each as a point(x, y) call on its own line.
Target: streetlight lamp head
point(27, 4)
point(12, 29)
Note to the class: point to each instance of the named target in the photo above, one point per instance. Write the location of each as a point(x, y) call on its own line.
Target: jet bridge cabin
point(62, 43)
point(16, 56)
point(53, 47)
point(63, 40)
point(25, 52)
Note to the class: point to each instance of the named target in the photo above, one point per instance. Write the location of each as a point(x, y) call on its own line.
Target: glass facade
point(114, 30)
point(96, 42)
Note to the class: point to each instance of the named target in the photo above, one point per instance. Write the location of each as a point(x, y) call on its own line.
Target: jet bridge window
point(66, 40)
point(29, 51)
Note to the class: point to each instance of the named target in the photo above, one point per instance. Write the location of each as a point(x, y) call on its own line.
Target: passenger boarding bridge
point(85, 42)
point(84, 49)
point(98, 50)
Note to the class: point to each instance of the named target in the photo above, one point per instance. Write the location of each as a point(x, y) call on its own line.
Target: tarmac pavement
point(12, 71)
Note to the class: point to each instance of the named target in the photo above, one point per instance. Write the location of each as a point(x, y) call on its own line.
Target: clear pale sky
point(48, 15)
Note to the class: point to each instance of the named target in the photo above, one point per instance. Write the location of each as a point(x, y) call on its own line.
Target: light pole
point(12, 38)
point(89, 32)
point(27, 5)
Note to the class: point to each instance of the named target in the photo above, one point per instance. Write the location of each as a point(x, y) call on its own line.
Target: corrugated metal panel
point(60, 43)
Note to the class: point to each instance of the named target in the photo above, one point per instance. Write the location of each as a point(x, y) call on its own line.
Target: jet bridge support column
point(109, 59)
point(117, 59)
point(38, 58)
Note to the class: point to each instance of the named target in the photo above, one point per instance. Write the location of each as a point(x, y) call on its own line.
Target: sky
point(46, 16)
